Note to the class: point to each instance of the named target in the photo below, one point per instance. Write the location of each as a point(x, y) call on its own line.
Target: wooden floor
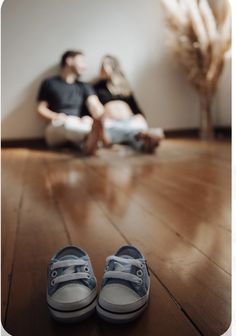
point(174, 206)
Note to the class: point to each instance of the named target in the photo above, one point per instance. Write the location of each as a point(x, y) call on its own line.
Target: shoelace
point(123, 265)
point(70, 273)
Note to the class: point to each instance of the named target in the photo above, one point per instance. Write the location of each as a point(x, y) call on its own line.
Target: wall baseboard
point(24, 143)
point(220, 132)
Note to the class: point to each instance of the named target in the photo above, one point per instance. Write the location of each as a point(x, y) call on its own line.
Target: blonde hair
point(117, 83)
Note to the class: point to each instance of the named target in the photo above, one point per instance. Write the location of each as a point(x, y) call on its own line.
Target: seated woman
point(124, 122)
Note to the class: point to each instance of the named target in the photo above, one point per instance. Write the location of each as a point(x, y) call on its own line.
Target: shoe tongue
point(69, 269)
point(123, 266)
point(68, 257)
point(72, 269)
point(125, 256)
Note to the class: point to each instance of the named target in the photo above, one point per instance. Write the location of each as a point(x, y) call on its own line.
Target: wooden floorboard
point(13, 172)
point(90, 228)
point(41, 233)
point(189, 275)
point(174, 205)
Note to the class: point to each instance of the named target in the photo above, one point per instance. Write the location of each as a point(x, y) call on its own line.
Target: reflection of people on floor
point(60, 102)
point(96, 180)
point(123, 119)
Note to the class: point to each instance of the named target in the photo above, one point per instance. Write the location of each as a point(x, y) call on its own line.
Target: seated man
point(60, 102)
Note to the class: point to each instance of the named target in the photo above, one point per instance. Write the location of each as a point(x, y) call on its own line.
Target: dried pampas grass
point(200, 37)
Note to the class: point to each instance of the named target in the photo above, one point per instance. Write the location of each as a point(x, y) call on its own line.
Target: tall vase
point(206, 126)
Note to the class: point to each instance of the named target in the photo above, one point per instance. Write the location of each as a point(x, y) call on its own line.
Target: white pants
point(73, 130)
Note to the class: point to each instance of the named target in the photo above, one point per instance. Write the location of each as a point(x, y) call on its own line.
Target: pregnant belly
point(117, 110)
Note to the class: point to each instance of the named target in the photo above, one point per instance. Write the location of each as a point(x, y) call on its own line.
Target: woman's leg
point(134, 131)
point(149, 137)
point(122, 131)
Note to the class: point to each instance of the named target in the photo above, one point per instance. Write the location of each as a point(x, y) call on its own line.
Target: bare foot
point(91, 143)
point(104, 138)
point(150, 141)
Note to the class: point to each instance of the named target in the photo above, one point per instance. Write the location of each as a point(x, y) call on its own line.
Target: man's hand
point(48, 114)
point(61, 116)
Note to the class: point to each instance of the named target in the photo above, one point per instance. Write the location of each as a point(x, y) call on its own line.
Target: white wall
point(222, 109)
point(35, 34)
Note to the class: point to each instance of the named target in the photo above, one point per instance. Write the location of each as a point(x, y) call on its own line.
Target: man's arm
point(48, 114)
point(95, 107)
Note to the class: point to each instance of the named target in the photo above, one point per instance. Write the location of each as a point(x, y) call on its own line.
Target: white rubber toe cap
point(120, 298)
point(71, 296)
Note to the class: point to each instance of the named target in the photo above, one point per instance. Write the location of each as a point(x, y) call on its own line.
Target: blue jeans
point(124, 131)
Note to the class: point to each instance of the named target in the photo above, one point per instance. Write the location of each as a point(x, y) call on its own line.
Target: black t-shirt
point(63, 97)
point(105, 96)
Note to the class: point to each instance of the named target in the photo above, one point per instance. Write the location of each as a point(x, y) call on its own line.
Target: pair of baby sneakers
point(72, 293)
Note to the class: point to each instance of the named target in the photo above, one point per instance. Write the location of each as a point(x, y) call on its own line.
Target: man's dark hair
point(69, 53)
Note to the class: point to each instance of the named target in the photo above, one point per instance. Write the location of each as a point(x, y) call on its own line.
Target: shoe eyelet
point(53, 282)
point(86, 269)
point(54, 274)
point(139, 273)
point(106, 268)
point(140, 281)
point(88, 276)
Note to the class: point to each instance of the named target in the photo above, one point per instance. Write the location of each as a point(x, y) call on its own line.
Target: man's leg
point(90, 145)
point(72, 129)
point(55, 134)
point(77, 129)
point(84, 132)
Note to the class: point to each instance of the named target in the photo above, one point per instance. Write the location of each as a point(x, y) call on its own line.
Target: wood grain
point(91, 229)
point(188, 274)
point(13, 168)
point(41, 233)
point(174, 206)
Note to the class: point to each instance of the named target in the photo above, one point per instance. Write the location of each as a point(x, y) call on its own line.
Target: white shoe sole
point(73, 315)
point(115, 317)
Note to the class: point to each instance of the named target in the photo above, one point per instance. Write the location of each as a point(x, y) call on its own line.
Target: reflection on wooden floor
point(174, 206)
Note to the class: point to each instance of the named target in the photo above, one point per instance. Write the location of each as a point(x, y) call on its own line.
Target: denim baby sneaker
point(72, 286)
point(125, 287)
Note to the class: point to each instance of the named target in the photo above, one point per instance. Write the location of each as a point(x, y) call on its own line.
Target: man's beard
point(77, 72)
